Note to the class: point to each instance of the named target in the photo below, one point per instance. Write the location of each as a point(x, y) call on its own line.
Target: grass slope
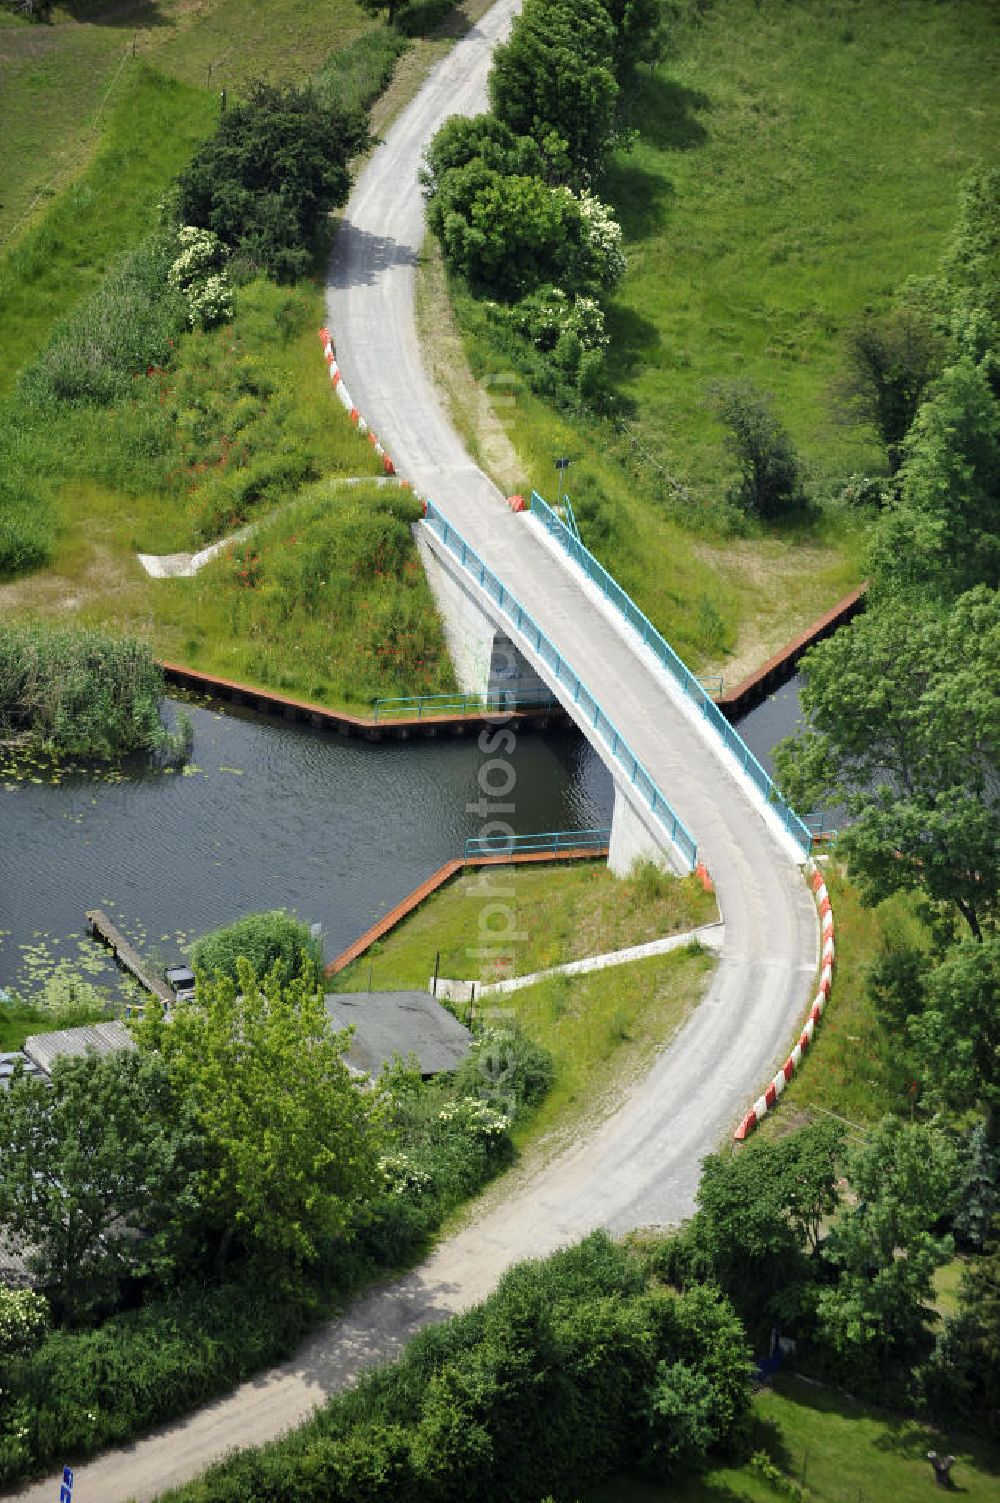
point(300, 606)
point(856, 1066)
point(150, 134)
point(603, 1029)
point(795, 164)
point(843, 1451)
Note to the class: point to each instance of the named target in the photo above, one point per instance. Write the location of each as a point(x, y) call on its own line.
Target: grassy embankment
point(843, 1451)
point(600, 1029)
point(794, 165)
point(68, 73)
point(309, 602)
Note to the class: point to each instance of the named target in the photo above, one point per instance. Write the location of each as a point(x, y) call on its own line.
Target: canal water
point(271, 815)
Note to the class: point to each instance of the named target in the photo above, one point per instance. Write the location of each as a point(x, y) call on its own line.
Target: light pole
point(562, 465)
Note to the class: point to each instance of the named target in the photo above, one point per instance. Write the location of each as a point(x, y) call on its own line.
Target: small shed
point(389, 1023)
point(43, 1049)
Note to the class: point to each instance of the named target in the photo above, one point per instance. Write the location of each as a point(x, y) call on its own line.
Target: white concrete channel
point(641, 1165)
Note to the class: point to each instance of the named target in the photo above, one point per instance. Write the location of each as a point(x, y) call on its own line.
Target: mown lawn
point(844, 1452)
point(556, 913)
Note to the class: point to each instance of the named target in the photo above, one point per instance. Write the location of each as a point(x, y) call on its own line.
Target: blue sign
point(66, 1491)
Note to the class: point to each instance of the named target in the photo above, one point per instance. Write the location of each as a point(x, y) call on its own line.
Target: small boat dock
point(127, 956)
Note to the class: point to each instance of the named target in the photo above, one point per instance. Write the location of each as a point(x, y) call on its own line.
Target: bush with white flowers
point(604, 237)
point(402, 1176)
point(198, 273)
point(475, 1117)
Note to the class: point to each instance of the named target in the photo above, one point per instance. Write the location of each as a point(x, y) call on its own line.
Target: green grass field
point(795, 164)
point(844, 1452)
point(855, 1066)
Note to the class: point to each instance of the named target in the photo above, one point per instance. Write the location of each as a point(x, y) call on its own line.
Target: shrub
point(542, 1389)
point(418, 17)
point(81, 1390)
point(266, 180)
point(266, 940)
point(769, 482)
point(198, 274)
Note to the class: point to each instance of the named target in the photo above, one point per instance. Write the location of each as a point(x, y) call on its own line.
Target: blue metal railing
point(496, 701)
point(669, 659)
point(571, 521)
point(576, 691)
point(551, 843)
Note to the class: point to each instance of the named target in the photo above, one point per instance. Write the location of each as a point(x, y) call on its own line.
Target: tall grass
point(353, 78)
point(77, 693)
point(150, 133)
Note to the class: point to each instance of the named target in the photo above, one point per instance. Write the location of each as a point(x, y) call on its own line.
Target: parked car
point(180, 979)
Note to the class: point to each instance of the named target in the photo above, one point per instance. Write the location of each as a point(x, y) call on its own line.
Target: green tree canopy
point(941, 532)
point(291, 1141)
point(758, 1210)
point(274, 168)
point(556, 75)
point(904, 725)
point(957, 1032)
point(885, 1251)
point(96, 1168)
point(265, 940)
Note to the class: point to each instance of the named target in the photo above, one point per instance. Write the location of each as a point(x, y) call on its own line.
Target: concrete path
point(641, 1166)
point(712, 936)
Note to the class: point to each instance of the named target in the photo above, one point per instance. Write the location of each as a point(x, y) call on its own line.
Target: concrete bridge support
point(486, 661)
point(631, 840)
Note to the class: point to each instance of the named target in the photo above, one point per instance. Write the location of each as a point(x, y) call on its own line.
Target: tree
point(265, 940)
point(638, 34)
point(892, 359)
point(556, 75)
point(941, 533)
point(884, 1250)
point(957, 1033)
point(291, 1141)
point(757, 1210)
point(96, 1166)
point(769, 482)
point(904, 725)
point(266, 180)
point(509, 235)
point(391, 8)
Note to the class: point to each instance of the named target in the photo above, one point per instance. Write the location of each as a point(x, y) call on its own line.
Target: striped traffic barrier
point(769, 1099)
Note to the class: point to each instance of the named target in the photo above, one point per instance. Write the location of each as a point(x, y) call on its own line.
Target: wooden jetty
point(127, 956)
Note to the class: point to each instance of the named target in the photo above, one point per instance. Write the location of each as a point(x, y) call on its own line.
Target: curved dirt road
point(641, 1165)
